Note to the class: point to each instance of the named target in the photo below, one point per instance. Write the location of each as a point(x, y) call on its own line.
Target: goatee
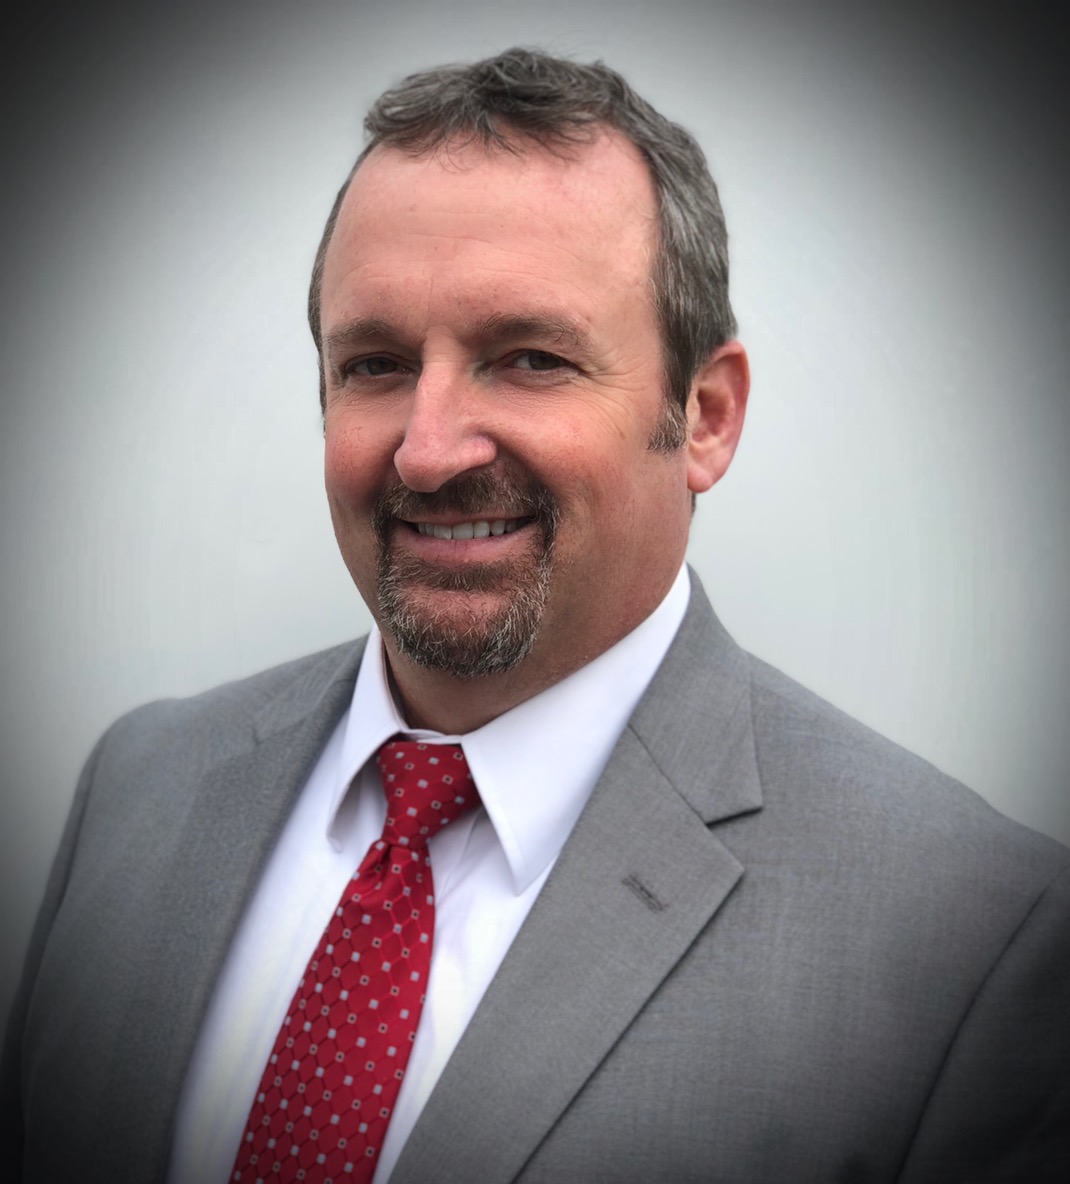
point(466, 639)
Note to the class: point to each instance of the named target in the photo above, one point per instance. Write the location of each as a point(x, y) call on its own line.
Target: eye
point(539, 359)
point(374, 367)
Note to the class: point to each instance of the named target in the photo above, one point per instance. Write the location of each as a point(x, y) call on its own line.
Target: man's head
point(524, 97)
point(506, 487)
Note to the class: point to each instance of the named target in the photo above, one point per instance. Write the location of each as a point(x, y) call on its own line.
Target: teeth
point(469, 530)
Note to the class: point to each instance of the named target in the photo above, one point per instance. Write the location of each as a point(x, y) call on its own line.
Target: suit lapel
point(210, 870)
point(638, 879)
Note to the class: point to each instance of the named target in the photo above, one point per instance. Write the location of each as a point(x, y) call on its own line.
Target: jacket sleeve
point(13, 1069)
point(999, 1112)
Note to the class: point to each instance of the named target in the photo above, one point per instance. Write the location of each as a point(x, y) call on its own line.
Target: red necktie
point(328, 1091)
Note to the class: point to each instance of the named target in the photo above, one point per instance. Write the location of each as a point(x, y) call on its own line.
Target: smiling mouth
point(479, 506)
point(480, 528)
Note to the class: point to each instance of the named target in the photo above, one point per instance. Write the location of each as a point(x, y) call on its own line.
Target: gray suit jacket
point(776, 948)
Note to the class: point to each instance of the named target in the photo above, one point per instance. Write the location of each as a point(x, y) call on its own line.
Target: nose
point(445, 433)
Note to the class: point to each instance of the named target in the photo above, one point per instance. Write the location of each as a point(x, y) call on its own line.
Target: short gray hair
point(525, 94)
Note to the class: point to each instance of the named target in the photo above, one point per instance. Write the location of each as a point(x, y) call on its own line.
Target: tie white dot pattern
point(329, 1087)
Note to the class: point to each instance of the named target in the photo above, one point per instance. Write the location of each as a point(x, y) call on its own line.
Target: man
point(700, 926)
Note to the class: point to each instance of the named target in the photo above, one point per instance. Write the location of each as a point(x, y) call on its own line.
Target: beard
point(466, 639)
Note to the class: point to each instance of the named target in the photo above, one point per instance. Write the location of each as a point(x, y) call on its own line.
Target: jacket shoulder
point(817, 761)
point(227, 718)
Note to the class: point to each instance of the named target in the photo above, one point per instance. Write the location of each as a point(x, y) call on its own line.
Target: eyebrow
point(553, 330)
point(502, 326)
point(356, 333)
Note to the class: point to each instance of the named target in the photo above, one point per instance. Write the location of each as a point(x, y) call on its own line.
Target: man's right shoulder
point(232, 716)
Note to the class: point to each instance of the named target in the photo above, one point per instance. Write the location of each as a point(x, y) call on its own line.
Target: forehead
point(493, 217)
point(606, 170)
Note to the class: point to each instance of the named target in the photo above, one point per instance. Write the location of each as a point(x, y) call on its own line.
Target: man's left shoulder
point(871, 803)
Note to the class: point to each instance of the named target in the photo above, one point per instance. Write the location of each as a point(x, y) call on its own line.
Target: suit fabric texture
point(776, 948)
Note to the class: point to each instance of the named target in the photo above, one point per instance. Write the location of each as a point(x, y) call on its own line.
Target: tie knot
point(426, 787)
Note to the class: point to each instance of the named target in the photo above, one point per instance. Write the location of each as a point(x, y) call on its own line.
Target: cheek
point(599, 508)
point(352, 465)
point(338, 471)
point(642, 504)
point(350, 498)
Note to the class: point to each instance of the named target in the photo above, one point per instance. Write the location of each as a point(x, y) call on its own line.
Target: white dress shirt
point(534, 766)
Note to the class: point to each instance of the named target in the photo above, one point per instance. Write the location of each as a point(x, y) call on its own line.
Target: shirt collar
point(536, 765)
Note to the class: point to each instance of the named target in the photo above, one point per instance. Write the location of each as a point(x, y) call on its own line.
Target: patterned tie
point(327, 1093)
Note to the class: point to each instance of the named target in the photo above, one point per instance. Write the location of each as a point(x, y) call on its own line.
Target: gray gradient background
point(893, 533)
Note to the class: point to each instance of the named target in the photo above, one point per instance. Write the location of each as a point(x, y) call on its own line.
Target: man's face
point(494, 378)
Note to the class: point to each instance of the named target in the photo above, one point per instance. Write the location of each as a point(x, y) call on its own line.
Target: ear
point(715, 410)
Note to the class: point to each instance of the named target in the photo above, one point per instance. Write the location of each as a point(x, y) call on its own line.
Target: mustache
point(475, 495)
